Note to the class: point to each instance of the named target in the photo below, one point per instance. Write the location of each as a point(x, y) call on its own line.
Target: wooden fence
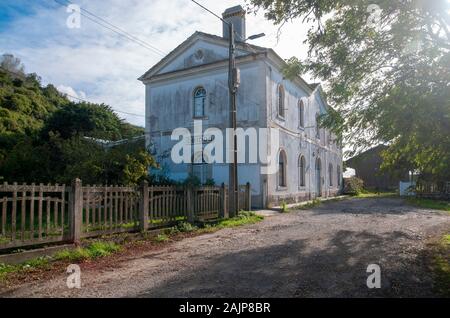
point(33, 213)
point(433, 190)
point(41, 214)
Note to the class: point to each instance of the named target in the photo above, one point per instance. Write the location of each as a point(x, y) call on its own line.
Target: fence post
point(190, 204)
point(248, 193)
point(75, 211)
point(223, 198)
point(143, 207)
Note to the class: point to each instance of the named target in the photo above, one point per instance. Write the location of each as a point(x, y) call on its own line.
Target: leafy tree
point(388, 78)
point(84, 119)
point(42, 136)
point(136, 167)
point(11, 63)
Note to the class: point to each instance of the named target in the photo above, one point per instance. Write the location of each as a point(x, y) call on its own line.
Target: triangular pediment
point(198, 49)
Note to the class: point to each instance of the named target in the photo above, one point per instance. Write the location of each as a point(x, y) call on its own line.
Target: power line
point(68, 95)
point(117, 111)
point(206, 9)
point(235, 33)
point(116, 29)
point(121, 30)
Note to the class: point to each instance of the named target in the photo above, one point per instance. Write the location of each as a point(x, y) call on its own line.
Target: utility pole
point(233, 86)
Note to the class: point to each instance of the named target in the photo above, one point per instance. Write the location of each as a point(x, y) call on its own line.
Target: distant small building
point(367, 166)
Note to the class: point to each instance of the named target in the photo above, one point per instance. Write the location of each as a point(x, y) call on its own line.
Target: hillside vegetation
point(42, 135)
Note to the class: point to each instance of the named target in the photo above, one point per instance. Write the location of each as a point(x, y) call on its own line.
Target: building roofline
point(269, 53)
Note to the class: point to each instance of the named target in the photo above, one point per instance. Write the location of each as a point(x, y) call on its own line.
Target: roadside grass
point(243, 218)
point(310, 205)
point(31, 265)
point(430, 204)
point(92, 251)
point(441, 266)
point(161, 238)
point(374, 194)
point(106, 247)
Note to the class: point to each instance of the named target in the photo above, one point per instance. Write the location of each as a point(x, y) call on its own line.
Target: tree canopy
point(386, 68)
point(42, 136)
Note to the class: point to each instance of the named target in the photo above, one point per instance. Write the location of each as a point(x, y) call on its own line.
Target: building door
point(200, 168)
point(318, 177)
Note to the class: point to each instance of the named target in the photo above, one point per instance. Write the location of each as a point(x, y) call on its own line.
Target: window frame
point(203, 97)
point(301, 114)
point(330, 174)
point(301, 172)
point(281, 102)
point(282, 170)
point(339, 179)
point(317, 127)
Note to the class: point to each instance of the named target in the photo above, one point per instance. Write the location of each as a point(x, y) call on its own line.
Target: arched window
point(301, 171)
point(330, 174)
point(199, 102)
point(281, 101)
point(282, 169)
point(338, 175)
point(301, 114)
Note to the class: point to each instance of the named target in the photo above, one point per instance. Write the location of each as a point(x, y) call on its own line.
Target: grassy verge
point(430, 204)
point(371, 194)
point(100, 248)
point(441, 266)
point(242, 219)
point(29, 266)
point(91, 251)
point(309, 205)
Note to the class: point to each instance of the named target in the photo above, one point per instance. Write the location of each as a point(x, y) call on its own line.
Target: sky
point(98, 65)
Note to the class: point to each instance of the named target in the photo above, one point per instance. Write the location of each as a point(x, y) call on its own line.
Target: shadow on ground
point(381, 206)
point(293, 269)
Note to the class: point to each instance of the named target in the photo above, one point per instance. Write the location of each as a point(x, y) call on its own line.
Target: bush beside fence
point(40, 214)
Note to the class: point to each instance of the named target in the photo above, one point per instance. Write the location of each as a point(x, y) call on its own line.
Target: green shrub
point(100, 249)
point(161, 238)
point(353, 186)
point(186, 227)
point(75, 255)
point(192, 181)
point(210, 183)
point(94, 250)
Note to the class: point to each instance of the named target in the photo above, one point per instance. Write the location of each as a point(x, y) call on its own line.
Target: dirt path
point(322, 252)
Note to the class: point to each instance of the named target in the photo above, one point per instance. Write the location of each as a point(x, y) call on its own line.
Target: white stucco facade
point(201, 62)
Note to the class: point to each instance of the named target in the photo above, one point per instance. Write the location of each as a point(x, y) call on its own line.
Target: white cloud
point(104, 66)
point(71, 93)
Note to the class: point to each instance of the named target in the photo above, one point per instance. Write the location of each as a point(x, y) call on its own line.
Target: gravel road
point(322, 252)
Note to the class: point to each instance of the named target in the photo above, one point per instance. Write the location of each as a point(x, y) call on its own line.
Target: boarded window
point(281, 101)
point(302, 171)
point(199, 102)
point(282, 169)
point(301, 115)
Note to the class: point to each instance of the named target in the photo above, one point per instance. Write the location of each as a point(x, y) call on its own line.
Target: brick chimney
point(236, 16)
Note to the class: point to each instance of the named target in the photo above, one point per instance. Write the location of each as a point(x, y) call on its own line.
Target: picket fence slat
point(41, 213)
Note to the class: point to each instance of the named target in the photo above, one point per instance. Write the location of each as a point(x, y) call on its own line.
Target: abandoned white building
point(191, 83)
